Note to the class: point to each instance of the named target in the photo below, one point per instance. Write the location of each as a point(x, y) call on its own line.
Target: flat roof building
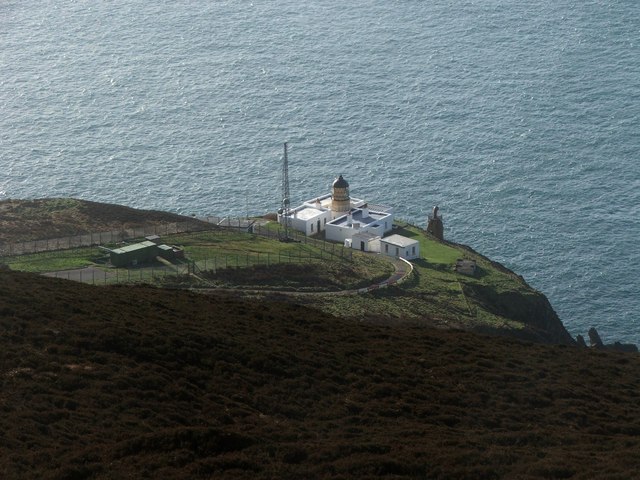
point(352, 222)
point(400, 246)
point(359, 220)
point(133, 254)
point(338, 211)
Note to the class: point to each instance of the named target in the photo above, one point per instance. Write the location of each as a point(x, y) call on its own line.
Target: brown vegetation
point(24, 220)
point(315, 277)
point(124, 382)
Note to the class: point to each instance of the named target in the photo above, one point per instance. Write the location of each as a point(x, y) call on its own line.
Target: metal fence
point(229, 222)
point(192, 273)
point(114, 236)
point(124, 234)
point(183, 273)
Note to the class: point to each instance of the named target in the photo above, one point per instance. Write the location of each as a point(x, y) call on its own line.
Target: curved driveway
point(402, 270)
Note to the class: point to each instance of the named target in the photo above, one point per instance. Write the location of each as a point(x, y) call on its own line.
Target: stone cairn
point(435, 226)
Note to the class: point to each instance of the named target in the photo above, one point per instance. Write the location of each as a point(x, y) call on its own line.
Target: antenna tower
point(286, 195)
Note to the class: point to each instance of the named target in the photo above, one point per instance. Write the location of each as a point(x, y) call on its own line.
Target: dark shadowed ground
point(133, 382)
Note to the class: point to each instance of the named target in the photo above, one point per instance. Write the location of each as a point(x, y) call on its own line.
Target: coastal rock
point(594, 338)
point(596, 342)
point(580, 341)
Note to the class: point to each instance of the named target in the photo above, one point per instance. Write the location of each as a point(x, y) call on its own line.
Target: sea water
point(519, 119)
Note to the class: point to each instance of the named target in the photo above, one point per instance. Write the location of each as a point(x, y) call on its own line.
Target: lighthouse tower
point(340, 200)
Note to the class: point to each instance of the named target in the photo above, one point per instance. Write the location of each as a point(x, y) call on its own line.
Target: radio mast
point(286, 195)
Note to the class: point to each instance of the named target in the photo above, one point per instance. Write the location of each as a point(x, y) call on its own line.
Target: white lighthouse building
point(339, 215)
point(352, 222)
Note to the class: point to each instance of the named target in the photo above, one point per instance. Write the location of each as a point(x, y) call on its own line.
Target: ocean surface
point(521, 120)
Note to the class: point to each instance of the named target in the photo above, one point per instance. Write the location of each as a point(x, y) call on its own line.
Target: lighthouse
point(340, 200)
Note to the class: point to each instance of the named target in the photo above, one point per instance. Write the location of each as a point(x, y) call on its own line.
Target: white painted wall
point(310, 226)
point(370, 244)
point(337, 233)
point(409, 252)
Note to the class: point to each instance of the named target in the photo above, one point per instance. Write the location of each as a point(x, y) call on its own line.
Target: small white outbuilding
point(399, 246)
point(364, 241)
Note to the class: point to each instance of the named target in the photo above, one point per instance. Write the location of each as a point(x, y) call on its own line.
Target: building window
point(397, 252)
point(413, 250)
point(386, 248)
point(312, 228)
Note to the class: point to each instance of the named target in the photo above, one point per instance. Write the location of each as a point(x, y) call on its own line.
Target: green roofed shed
point(133, 254)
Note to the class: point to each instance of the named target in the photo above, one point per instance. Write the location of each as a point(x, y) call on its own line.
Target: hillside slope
point(135, 382)
point(495, 300)
point(25, 220)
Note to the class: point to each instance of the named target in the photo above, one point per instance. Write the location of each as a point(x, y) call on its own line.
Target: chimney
point(365, 210)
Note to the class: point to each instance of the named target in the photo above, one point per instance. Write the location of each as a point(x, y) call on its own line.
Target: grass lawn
point(54, 261)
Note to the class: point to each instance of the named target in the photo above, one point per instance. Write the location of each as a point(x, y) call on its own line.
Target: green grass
point(435, 291)
point(228, 248)
point(54, 261)
point(231, 258)
point(431, 250)
point(221, 253)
